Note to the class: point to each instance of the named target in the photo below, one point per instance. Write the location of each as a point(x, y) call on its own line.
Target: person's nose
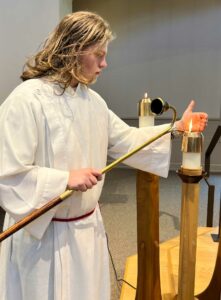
point(103, 63)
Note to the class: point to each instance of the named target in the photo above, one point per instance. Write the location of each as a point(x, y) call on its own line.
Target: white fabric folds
point(44, 134)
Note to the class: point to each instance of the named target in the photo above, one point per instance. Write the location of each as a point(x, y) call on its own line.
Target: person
point(56, 133)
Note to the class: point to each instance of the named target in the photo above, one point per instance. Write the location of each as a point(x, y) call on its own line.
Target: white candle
point(192, 149)
point(145, 121)
point(146, 117)
point(191, 161)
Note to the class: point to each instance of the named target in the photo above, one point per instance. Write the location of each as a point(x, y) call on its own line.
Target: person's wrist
point(177, 129)
point(179, 125)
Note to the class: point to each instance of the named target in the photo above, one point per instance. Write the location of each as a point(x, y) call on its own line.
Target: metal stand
point(216, 237)
point(211, 188)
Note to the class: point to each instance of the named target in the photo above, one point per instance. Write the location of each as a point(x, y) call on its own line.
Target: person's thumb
point(190, 107)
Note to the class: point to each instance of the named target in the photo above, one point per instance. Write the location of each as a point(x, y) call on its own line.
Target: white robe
point(44, 135)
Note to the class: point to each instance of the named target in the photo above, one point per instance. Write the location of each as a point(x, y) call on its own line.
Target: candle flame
point(190, 125)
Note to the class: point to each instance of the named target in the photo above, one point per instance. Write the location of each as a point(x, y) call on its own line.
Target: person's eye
point(99, 54)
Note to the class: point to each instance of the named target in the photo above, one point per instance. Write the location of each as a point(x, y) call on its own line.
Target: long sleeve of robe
point(45, 134)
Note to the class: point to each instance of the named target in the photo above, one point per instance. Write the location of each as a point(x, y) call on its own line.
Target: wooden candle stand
point(201, 281)
point(188, 232)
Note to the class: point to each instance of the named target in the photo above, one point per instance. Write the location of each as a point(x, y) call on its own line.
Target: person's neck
point(74, 83)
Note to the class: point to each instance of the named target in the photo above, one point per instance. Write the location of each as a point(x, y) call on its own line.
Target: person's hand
point(199, 119)
point(83, 179)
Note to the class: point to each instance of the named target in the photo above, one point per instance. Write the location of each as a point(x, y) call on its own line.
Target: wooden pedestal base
point(169, 261)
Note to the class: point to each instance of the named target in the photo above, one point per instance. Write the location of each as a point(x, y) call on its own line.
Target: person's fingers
point(204, 116)
point(97, 174)
point(83, 179)
point(199, 121)
point(99, 177)
point(93, 179)
point(82, 187)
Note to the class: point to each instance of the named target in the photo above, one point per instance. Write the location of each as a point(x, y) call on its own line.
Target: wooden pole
point(148, 273)
point(34, 215)
point(188, 235)
point(148, 279)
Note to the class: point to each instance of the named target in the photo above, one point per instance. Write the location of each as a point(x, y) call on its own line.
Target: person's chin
point(93, 80)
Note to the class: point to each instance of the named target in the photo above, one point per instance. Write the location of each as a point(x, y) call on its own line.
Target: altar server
point(56, 133)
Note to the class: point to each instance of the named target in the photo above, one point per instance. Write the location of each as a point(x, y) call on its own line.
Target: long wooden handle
point(34, 215)
point(54, 202)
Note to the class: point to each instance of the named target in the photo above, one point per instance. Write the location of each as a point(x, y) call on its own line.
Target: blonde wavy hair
point(59, 58)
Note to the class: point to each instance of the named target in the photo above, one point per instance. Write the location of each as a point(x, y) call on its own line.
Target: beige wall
point(24, 25)
point(171, 49)
point(65, 7)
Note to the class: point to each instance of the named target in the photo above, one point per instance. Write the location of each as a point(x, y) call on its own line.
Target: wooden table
point(169, 261)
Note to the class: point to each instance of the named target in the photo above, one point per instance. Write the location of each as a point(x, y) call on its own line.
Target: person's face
point(94, 62)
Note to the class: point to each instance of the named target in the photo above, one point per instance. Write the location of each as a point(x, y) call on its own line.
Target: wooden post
point(148, 279)
point(148, 273)
point(188, 235)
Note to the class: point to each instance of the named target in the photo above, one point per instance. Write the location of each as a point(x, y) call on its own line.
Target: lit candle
point(146, 117)
point(192, 149)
